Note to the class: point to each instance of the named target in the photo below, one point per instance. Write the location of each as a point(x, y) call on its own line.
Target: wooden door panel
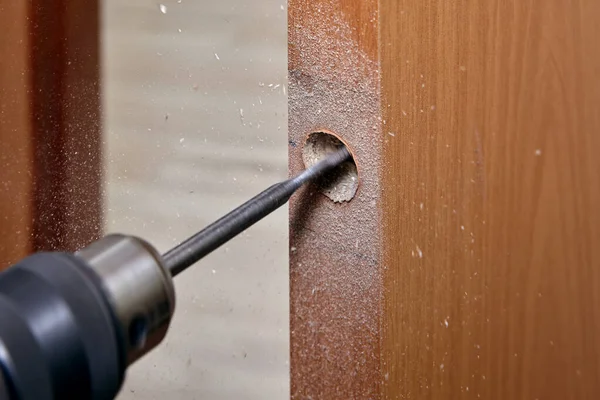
point(474, 126)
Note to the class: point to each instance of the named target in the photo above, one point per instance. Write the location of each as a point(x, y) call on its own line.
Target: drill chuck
point(71, 324)
point(138, 286)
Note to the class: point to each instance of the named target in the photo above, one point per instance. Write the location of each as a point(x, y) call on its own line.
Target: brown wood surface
point(488, 186)
point(49, 127)
point(15, 145)
point(335, 277)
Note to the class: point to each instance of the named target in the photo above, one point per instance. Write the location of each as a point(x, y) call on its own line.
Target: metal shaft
point(202, 243)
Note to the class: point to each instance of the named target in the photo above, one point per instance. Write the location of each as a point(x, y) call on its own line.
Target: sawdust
point(335, 270)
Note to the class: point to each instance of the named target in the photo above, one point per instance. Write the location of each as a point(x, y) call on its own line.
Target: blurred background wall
point(194, 100)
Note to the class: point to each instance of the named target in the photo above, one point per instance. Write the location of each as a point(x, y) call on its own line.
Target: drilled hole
point(341, 184)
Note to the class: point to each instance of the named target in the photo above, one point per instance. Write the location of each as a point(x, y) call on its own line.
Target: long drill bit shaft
point(202, 243)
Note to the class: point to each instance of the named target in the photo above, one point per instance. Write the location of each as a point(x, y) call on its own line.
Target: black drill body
point(59, 338)
point(71, 324)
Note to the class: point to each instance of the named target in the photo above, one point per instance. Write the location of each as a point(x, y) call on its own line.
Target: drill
point(71, 324)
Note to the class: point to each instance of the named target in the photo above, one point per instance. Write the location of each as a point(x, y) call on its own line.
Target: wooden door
point(49, 127)
point(468, 264)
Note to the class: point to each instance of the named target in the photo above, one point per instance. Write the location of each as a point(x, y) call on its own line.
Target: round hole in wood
point(339, 185)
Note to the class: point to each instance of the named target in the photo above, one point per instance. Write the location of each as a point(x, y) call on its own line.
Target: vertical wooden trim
point(65, 123)
point(335, 270)
point(58, 205)
point(16, 151)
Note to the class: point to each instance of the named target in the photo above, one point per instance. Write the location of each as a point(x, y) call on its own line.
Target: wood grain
point(492, 231)
point(49, 127)
point(489, 183)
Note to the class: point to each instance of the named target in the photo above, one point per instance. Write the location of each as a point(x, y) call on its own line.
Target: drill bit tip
point(202, 243)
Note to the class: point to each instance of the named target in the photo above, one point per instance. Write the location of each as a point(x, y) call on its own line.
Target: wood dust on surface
point(335, 272)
